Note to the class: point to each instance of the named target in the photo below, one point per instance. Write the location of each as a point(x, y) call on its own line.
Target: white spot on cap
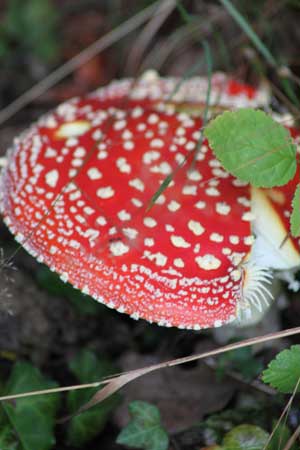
point(200, 205)
point(126, 134)
point(196, 227)
point(234, 239)
point(157, 143)
point(169, 227)
point(212, 192)
point(105, 192)
point(179, 242)
point(94, 174)
point(149, 222)
point(150, 156)
point(149, 242)
point(208, 262)
point(123, 165)
point(52, 177)
point(178, 262)
point(120, 124)
point(131, 233)
point(158, 258)
point(153, 118)
point(236, 275)
point(249, 240)
point(118, 248)
point(216, 237)
point(138, 203)
point(101, 221)
point(226, 251)
point(163, 168)
point(194, 175)
point(173, 206)
point(137, 184)
point(223, 208)
point(189, 190)
point(128, 145)
point(50, 153)
point(124, 215)
point(102, 154)
point(71, 129)
point(248, 216)
point(80, 152)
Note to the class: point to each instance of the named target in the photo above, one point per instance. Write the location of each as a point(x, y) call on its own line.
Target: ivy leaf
point(145, 430)
point(283, 372)
point(253, 147)
point(83, 427)
point(245, 437)
point(295, 217)
point(33, 418)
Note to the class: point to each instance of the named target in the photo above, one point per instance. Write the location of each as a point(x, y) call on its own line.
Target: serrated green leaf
point(253, 147)
point(295, 216)
point(283, 372)
point(245, 437)
point(32, 418)
point(144, 430)
point(83, 427)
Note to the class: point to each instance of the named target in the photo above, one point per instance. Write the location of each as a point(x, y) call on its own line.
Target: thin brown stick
point(81, 58)
point(284, 412)
point(115, 382)
point(292, 439)
point(75, 387)
point(147, 34)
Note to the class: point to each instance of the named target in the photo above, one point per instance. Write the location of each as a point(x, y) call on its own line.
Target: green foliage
point(245, 437)
point(28, 423)
point(83, 427)
point(280, 438)
point(283, 373)
point(31, 25)
point(51, 283)
point(295, 216)
point(145, 429)
point(8, 440)
point(253, 147)
point(31, 418)
point(241, 360)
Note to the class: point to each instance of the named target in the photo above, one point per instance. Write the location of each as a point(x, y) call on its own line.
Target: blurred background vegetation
point(52, 326)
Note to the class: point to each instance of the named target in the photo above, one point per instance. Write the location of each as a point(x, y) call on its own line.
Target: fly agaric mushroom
point(77, 188)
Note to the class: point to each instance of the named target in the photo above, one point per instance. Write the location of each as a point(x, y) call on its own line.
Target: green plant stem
point(248, 30)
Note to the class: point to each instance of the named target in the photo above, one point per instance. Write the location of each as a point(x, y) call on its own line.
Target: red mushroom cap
point(78, 183)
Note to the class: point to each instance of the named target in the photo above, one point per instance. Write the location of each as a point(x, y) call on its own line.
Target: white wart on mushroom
point(77, 187)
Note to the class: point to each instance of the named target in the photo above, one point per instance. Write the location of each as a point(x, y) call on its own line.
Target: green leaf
point(295, 217)
point(245, 437)
point(8, 439)
point(253, 147)
point(241, 360)
point(280, 438)
point(144, 430)
point(283, 372)
point(32, 418)
point(83, 427)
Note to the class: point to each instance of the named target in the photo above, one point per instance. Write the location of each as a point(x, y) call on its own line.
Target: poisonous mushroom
point(77, 186)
